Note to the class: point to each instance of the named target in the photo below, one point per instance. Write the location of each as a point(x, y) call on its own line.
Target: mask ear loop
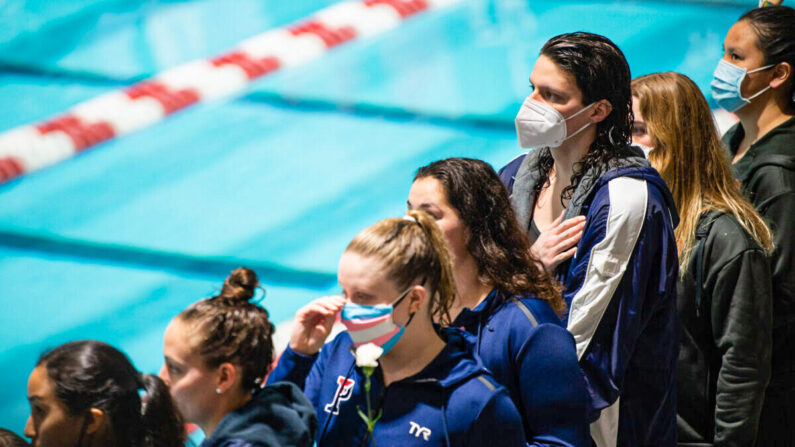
point(404, 295)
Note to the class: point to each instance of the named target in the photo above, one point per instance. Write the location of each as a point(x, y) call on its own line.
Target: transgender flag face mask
point(374, 324)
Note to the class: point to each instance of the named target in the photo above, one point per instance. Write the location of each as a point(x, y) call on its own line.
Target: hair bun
point(240, 285)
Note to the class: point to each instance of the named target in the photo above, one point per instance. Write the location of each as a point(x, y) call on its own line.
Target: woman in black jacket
point(760, 58)
point(724, 289)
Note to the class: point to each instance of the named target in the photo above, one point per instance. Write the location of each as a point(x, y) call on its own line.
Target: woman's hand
point(558, 242)
point(313, 323)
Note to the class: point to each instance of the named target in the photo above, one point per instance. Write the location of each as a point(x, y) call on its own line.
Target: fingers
point(563, 256)
point(559, 219)
point(569, 223)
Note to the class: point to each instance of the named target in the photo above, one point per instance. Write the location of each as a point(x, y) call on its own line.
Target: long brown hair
point(411, 249)
point(499, 246)
point(690, 158)
point(233, 329)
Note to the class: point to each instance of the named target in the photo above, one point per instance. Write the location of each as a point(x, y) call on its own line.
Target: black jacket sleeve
point(741, 317)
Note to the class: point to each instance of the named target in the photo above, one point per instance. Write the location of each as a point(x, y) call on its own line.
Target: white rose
point(367, 355)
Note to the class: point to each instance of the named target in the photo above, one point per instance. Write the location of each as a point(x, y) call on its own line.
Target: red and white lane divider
point(31, 147)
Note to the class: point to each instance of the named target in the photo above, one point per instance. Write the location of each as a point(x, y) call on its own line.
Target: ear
point(227, 373)
point(416, 297)
point(96, 418)
point(781, 73)
point(600, 111)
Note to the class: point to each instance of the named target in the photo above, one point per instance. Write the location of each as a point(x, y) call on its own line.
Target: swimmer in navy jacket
point(620, 285)
point(430, 388)
point(506, 300)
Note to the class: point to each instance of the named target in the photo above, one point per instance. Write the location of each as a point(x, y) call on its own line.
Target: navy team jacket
point(454, 401)
point(523, 343)
point(276, 416)
point(621, 292)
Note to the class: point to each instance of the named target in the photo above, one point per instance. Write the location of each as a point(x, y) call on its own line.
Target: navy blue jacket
point(452, 402)
point(276, 416)
point(523, 343)
point(621, 291)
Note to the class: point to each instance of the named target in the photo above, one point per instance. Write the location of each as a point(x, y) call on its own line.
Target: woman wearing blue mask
point(429, 389)
point(755, 81)
point(505, 299)
point(620, 286)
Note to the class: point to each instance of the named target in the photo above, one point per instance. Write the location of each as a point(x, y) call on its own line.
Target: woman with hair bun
point(86, 394)
point(505, 299)
point(217, 352)
point(755, 80)
point(428, 388)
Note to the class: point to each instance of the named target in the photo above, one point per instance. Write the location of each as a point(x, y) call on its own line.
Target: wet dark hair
point(11, 439)
point(233, 329)
point(775, 36)
point(91, 374)
point(499, 246)
point(600, 71)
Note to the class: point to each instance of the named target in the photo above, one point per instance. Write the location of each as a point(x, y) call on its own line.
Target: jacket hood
point(773, 149)
point(456, 363)
point(523, 199)
point(277, 415)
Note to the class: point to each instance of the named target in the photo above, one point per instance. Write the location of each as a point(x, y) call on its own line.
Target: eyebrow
point(172, 362)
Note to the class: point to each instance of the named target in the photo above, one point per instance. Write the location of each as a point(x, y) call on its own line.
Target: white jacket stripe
point(609, 258)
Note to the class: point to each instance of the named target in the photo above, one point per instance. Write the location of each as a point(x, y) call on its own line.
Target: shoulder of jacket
point(729, 238)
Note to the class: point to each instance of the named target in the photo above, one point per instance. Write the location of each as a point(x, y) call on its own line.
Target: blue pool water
point(115, 242)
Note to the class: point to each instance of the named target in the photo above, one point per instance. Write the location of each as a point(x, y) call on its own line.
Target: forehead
point(741, 36)
point(178, 341)
point(547, 74)
point(427, 190)
point(39, 383)
point(363, 274)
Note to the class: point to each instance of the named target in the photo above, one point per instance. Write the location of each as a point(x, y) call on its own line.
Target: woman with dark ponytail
point(88, 393)
point(427, 388)
point(217, 353)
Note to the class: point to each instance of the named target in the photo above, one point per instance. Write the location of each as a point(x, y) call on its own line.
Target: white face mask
point(540, 125)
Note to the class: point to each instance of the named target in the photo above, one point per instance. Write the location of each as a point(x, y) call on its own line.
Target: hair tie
point(412, 219)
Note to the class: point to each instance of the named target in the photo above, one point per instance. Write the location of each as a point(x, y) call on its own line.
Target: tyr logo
point(418, 430)
point(344, 392)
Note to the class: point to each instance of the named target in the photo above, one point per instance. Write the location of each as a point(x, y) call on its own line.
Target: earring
point(218, 391)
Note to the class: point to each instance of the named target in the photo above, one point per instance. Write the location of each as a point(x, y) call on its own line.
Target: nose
point(30, 430)
point(535, 95)
point(163, 374)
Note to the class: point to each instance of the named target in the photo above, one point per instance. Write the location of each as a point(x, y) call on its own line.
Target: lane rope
point(28, 148)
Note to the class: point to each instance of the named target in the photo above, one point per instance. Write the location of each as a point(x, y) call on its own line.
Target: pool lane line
point(113, 254)
point(31, 147)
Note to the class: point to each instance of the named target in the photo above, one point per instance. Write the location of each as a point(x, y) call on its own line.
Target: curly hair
point(499, 246)
point(233, 329)
point(600, 71)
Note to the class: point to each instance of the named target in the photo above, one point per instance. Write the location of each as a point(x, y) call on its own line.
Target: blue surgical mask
point(726, 83)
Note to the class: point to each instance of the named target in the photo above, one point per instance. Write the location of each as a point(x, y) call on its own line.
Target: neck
point(470, 290)
point(413, 352)
point(570, 153)
point(759, 118)
point(224, 408)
